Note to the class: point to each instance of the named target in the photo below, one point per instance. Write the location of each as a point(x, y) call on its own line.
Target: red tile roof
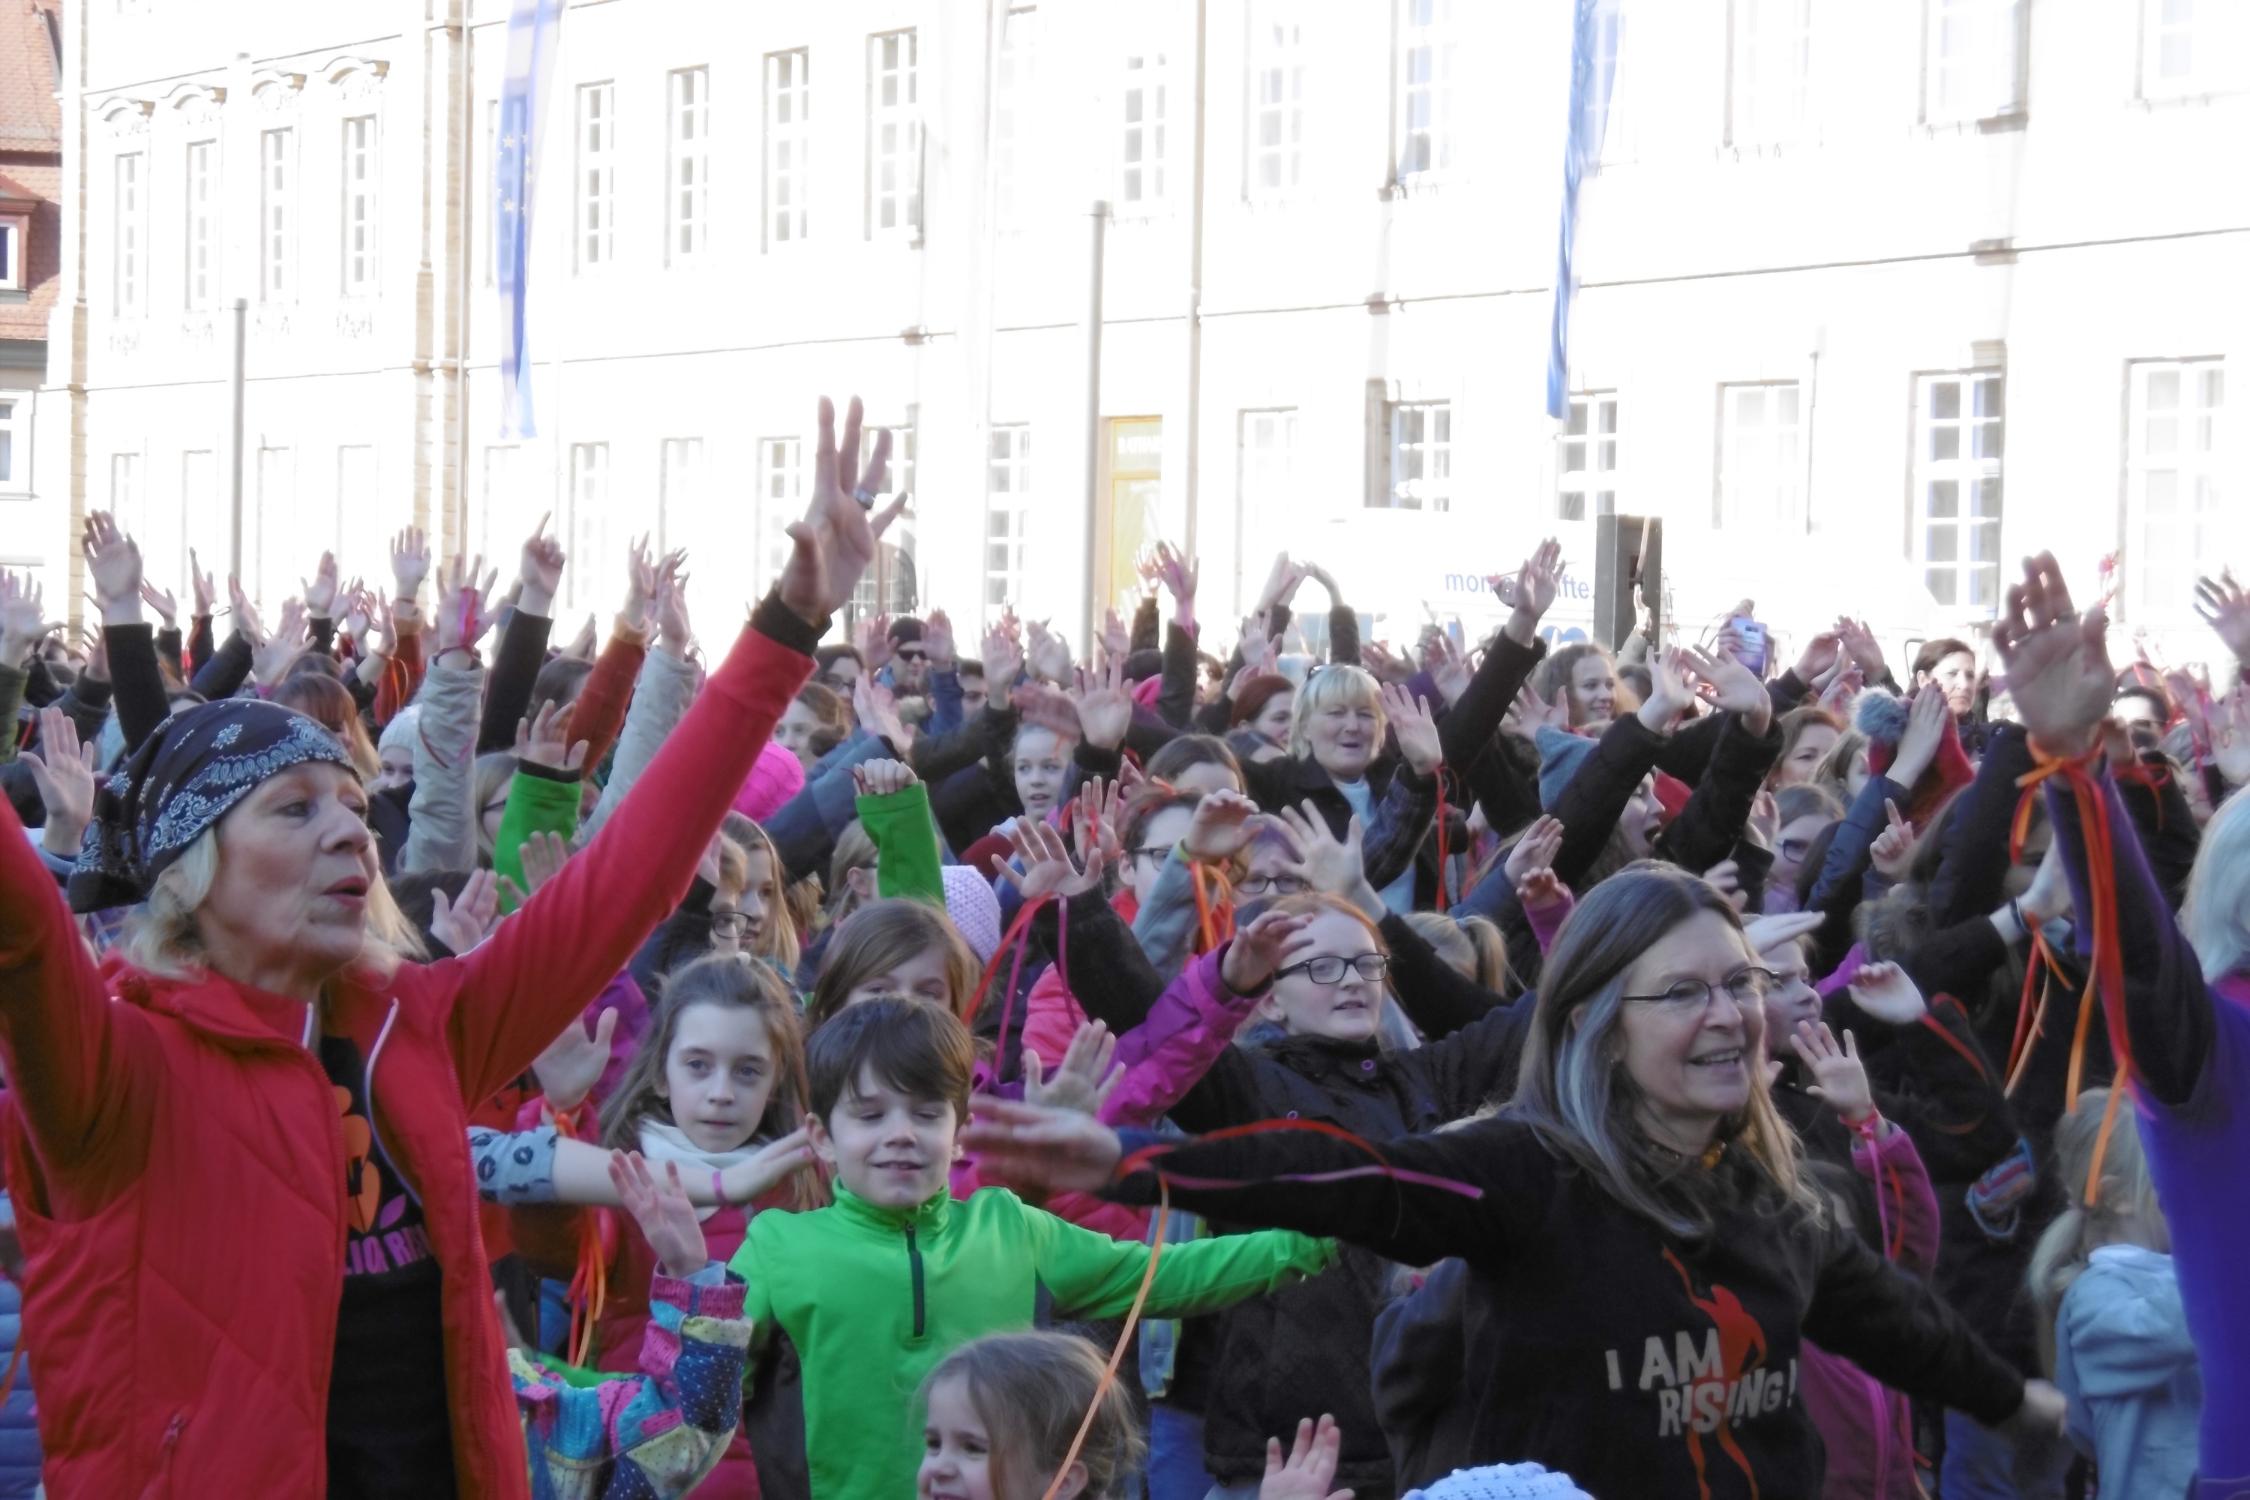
point(30, 119)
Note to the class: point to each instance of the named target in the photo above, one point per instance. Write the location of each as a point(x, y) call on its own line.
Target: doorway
point(1132, 500)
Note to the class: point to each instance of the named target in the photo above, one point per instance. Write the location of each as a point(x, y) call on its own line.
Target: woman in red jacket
point(252, 1257)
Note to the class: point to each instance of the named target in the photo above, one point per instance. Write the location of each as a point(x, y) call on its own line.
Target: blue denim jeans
point(1175, 1454)
point(1981, 1464)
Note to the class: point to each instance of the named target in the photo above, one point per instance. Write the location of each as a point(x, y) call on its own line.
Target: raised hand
point(641, 577)
point(1086, 1077)
point(1860, 645)
point(1271, 943)
point(359, 612)
point(1763, 826)
point(1842, 689)
point(2230, 735)
point(872, 639)
point(1105, 706)
point(1733, 688)
point(673, 632)
point(410, 563)
point(1417, 730)
point(23, 622)
point(1448, 668)
point(883, 778)
point(462, 924)
point(542, 856)
point(1886, 993)
point(880, 521)
point(1310, 1467)
point(835, 541)
point(574, 1062)
point(320, 589)
point(1669, 695)
point(1048, 708)
point(540, 571)
point(937, 640)
point(1049, 654)
point(1892, 853)
point(246, 621)
point(1043, 1150)
point(202, 586)
point(162, 601)
point(2226, 609)
point(1324, 862)
point(1821, 655)
point(1531, 593)
point(113, 562)
point(63, 771)
point(661, 1207)
point(1048, 869)
point(877, 710)
point(1768, 933)
point(1003, 660)
point(748, 1181)
point(461, 620)
point(1841, 1078)
point(2058, 667)
point(1541, 890)
point(1531, 713)
point(1221, 827)
point(1726, 877)
point(544, 740)
point(1097, 817)
point(271, 661)
point(1281, 582)
point(1534, 849)
point(1180, 575)
point(1116, 641)
point(1383, 664)
point(1925, 730)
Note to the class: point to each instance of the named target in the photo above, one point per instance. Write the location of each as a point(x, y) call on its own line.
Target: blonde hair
point(1446, 936)
point(162, 936)
point(1032, 1391)
point(2124, 1210)
point(1336, 686)
point(855, 850)
point(1492, 952)
point(2216, 914)
point(780, 941)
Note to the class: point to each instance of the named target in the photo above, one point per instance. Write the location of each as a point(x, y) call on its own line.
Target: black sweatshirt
point(1636, 1362)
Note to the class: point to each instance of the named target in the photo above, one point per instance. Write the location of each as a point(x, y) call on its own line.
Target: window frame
point(594, 203)
point(15, 252)
point(585, 529)
point(1144, 72)
point(1967, 471)
point(1010, 502)
point(1580, 483)
point(797, 134)
point(1267, 57)
point(1430, 410)
point(680, 486)
point(361, 174)
point(781, 500)
point(2143, 601)
point(2216, 59)
point(1749, 129)
point(277, 214)
point(202, 210)
point(14, 430)
point(1728, 463)
point(905, 115)
point(687, 201)
point(1012, 88)
point(129, 234)
point(1441, 35)
point(2003, 94)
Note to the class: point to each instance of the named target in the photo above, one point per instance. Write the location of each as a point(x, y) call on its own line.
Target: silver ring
point(865, 497)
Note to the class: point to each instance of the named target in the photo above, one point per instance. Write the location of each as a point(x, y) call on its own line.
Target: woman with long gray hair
point(1637, 1221)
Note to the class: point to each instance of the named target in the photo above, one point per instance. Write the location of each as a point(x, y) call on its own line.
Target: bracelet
point(719, 1189)
point(469, 651)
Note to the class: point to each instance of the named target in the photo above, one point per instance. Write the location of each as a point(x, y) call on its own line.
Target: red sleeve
point(402, 677)
point(1910, 1211)
point(80, 1067)
point(515, 993)
point(608, 692)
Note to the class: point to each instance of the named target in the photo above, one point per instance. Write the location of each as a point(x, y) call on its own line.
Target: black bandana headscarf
point(185, 776)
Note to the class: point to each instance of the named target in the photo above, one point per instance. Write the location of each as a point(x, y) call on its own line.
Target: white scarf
point(661, 1143)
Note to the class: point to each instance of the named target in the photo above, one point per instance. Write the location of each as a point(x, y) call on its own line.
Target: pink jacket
point(1186, 1030)
point(1867, 1428)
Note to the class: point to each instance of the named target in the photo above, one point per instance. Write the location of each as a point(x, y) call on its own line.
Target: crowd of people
point(438, 1063)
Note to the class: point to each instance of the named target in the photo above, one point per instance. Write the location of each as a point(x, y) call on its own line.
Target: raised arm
point(523, 642)
point(441, 822)
point(545, 964)
point(666, 687)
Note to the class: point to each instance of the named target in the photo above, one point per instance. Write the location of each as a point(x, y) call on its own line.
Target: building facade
point(1874, 298)
point(31, 249)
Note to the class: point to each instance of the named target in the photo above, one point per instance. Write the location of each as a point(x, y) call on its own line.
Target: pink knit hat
point(777, 777)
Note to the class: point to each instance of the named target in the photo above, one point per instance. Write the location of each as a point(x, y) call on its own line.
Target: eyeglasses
point(1329, 969)
point(1271, 885)
point(915, 653)
point(1693, 996)
point(730, 924)
point(1156, 852)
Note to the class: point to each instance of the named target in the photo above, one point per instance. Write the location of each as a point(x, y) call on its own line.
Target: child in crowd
point(870, 1293)
point(2110, 1301)
point(1002, 1413)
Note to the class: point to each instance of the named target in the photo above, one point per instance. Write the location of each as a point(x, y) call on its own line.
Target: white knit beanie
point(1503, 1482)
point(399, 733)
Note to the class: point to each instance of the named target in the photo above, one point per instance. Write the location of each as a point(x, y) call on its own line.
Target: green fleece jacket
point(906, 846)
point(539, 801)
point(873, 1298)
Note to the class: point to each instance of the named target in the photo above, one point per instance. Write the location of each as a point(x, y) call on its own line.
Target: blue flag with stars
point(1594, 43)
point(533, 29)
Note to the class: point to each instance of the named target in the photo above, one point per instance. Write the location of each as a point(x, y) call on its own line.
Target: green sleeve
point(13, 680)
point(906, 844)
point(536, 804)
point(1092, 1275)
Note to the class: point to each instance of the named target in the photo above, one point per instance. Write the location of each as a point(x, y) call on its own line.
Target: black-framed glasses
point(732, 925)
point(1329, 969)
point(910, 653)
point(1271, 885)
point(1157, 852)
point(1746, 989)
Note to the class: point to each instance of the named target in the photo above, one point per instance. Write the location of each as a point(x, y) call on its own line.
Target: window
point(780, 501)
point(680, 491)
point(894, 138)
point(1019, 32)
point(2190, 46)
point(1421, 468)
point(503, 463)
point(597, 174)
point(277, 215)
point(1425, 87)
point(360, 166)
point(9, 429)
point(687, 203)
point(15, 238)
point(1957, 454)
point(585, 528)
point(202, 186)
point(1586, 465)
point(1276, 136)
point(1969, 59)
point(1761, 477)
point(889, 584)
point(129, 234)
point(1140, 159)
point(1772, 53)
point(1265, 482)
point(2173, 515)
point(1007, 514)
point(788, 138)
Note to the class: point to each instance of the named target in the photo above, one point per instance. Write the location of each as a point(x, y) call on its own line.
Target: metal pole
point(1100, 216)
point(241, 327)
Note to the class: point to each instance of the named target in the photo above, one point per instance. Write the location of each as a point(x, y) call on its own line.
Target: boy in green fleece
point(873, 1291)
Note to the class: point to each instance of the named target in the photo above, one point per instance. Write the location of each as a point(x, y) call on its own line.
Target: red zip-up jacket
point(177, 1160)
